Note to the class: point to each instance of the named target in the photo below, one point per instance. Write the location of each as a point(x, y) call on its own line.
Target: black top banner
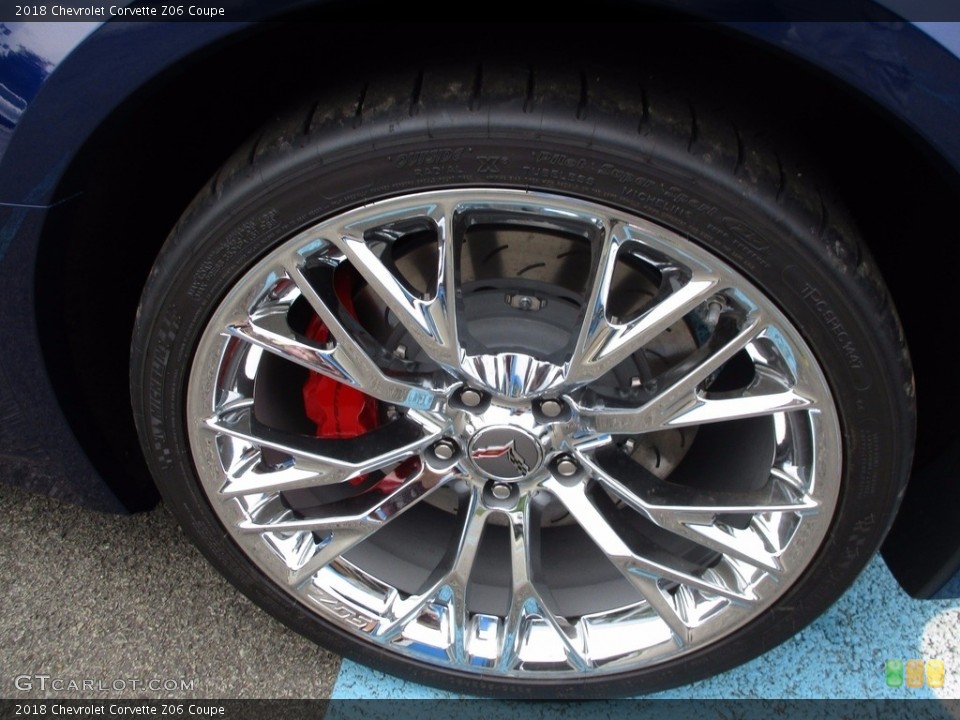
point(98, 11)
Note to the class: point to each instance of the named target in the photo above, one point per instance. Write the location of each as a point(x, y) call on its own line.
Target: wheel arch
point(128, 176)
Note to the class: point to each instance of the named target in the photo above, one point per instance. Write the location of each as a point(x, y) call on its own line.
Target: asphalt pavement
point(128, 602)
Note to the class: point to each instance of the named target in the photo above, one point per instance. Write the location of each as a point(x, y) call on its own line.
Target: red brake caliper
point(339, 410)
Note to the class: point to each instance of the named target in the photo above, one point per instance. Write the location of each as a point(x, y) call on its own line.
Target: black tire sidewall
point(773, 243)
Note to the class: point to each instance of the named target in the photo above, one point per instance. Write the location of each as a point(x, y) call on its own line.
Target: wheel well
point(137, 183)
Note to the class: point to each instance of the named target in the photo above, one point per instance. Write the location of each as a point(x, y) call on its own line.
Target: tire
point(366, 387)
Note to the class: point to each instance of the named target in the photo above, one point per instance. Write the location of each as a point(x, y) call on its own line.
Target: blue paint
point(8, 231)
point(841, 655)
point(19, 212)
point(945, 33)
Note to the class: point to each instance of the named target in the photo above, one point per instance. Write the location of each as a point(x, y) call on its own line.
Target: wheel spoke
point(447, 585)
point(431, 322)
point(622, 557)
point(649, 494)
point(603, 342)
point(606, 538)
point(706, 410)
point(347, 530)
point(665, 607)
point(345, 361)
point(348, 353)
point(681, 403)
point(693, 514)
point(316, 461)
point(527, 603)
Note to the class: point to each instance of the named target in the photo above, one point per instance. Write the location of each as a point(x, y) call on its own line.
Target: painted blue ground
point(841, 655)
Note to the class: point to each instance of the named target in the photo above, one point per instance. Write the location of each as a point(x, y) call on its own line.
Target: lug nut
point(551, 408)
point(444, 450)
point(501, 491)
point(566, 466)
point(470, 398)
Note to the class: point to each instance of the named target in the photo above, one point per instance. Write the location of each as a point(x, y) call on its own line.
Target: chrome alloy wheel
point(597, 446)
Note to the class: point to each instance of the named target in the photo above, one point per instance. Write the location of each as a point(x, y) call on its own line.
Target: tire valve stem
point(715, 306)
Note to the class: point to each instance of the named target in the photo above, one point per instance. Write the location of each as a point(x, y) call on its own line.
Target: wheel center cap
point(506, 453)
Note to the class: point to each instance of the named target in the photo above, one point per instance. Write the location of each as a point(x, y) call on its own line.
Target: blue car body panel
point(49, 109)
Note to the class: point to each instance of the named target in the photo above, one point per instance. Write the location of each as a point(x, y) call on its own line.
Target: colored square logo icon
point(936, 673)
point(894, 671)
point(915, 673)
